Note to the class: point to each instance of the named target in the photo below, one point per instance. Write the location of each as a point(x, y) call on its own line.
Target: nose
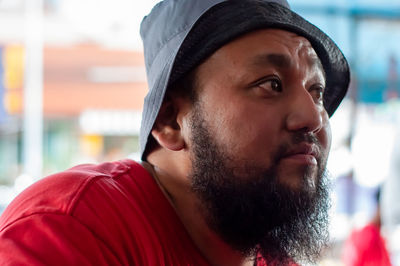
point(304, 114)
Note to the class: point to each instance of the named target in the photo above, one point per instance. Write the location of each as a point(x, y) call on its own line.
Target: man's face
point(260, 137)
point(260, 96)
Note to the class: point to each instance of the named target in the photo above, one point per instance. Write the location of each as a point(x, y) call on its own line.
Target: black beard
point(253, 211)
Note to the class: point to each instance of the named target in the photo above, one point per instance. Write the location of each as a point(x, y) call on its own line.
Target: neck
point(177, 190)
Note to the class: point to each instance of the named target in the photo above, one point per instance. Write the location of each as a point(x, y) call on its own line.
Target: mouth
point(303, 153)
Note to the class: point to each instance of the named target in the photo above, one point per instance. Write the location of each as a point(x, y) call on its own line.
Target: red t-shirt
point(107, 214)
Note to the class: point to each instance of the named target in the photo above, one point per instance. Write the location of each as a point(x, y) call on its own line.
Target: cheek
point(246, 133)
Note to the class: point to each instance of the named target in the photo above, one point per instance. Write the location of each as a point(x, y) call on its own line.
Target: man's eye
point(318, 94)
point(272, 84)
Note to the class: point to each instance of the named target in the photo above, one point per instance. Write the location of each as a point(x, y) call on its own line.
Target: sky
point(121, 18)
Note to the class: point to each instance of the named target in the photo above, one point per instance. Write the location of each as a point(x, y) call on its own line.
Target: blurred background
point(72, 83)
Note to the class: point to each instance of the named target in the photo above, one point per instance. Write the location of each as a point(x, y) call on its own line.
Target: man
point(234, 140)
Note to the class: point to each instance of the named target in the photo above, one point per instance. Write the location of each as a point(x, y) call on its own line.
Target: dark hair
point(184, 87)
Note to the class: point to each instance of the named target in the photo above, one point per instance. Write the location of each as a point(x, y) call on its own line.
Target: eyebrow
point(282, 61)
point(278, 60)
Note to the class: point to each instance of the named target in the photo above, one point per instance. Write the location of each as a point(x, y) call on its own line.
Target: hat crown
point(169, 19)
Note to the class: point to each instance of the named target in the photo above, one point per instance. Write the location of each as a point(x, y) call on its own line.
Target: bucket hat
point(179, 34)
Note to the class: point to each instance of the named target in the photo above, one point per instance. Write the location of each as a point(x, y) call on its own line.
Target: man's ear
point(167, 129)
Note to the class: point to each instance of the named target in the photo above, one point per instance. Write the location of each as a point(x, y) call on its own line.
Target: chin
point(300, 178)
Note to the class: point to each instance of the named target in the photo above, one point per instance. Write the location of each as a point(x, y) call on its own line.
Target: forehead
point(269, 45)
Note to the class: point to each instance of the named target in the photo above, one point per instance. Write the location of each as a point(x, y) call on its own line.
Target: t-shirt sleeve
point(52, 239)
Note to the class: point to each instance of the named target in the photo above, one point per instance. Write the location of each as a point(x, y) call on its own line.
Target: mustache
point(305, 137)
point(296, 140)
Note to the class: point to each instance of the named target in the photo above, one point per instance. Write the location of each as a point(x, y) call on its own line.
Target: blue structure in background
point(368, 32)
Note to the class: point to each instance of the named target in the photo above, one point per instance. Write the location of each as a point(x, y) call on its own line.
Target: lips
point(305, 153)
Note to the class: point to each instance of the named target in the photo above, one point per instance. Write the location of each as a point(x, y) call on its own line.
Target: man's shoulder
point(108, 214)
point(61, 192)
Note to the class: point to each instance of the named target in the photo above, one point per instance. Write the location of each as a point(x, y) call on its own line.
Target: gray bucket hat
point(179, 34)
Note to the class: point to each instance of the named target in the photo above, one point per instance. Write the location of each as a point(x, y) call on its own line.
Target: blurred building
point(91, 96)
point(94, 83)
